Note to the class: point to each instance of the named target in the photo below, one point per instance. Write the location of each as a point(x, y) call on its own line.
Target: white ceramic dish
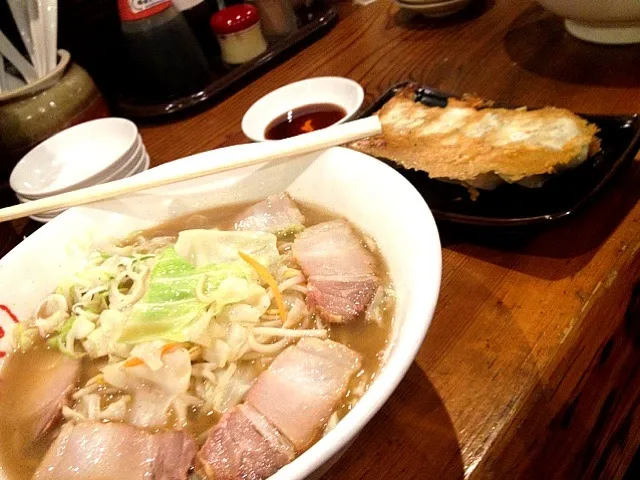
point(344, 181)
point(599, 21)
point(337, 90)
point(141, 166)
point(129, 167)
point(132, 167)
point(75, 157)
point(434, 9)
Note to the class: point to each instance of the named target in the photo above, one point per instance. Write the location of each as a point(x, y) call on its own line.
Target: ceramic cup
point(28, 115)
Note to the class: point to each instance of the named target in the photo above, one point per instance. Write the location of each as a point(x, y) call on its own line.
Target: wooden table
point(531, 366)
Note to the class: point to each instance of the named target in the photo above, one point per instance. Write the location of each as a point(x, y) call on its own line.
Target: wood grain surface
point(531, 367)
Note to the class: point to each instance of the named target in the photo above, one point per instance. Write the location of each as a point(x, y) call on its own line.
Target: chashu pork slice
point(116, 451)
point(244, 445)
point(39, 406)
point(277, 214)
point(341, 272)
point(302, 388)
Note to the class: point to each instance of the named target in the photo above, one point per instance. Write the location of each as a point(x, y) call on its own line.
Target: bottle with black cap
point(164, 58)
point(198, 13)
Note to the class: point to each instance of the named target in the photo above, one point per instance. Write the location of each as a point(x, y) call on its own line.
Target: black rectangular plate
point(514, 205)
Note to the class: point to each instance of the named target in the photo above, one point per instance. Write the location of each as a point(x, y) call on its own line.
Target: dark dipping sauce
point(304, 119)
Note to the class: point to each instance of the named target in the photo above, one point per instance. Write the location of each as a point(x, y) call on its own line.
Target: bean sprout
point(293, 281)
point(200, 295)
point(117, 300)
point(285, 332)
point(270, 348)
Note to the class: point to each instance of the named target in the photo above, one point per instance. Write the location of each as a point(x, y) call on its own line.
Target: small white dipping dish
point(339, 91)
point(76, 157)
point(376, 198)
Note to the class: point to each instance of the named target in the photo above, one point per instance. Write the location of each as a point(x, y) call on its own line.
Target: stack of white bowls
point(87, 154)
point(433, 8)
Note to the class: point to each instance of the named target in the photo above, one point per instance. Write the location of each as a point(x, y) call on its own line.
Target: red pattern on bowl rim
point(7, 320)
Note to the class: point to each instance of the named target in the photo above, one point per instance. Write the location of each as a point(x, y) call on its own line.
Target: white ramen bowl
point(343, 181)
point(340, 91)
point(599, 21)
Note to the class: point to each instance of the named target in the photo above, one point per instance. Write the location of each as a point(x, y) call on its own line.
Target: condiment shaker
point(277, 18)
point(238, 31)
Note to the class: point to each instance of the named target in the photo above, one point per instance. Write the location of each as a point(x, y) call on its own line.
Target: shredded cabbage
point(207, 247)
point(226, 388)
point(104, 339)
point(218, 354)
point(170, 305)
point(23, 337)
point(51, 314)
point(153, 391)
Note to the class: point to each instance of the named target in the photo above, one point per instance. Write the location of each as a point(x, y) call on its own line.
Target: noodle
point(200, 295)
point(270, 323)
point(270, 348)
point(291, 282)
point(285, 332)
point(118, 300)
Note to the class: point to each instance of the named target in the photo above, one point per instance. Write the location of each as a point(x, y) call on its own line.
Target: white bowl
point(344, 92)
point(434, 9)
point(124, 169)
point(599, 21)
point(140, 166)
point(341, 180)
point(129, 168)
point(75, 157)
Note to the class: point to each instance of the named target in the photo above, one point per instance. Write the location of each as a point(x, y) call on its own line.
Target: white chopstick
point(14, 56)
point(36, 22)
point(51, 33)
point(252, 154)
point(3, 78)
point(21, 18)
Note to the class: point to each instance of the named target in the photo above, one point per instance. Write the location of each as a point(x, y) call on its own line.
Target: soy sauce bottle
point(164, 58)
point(198, 13)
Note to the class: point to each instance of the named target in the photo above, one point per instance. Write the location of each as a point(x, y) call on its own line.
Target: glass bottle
point(164, 58)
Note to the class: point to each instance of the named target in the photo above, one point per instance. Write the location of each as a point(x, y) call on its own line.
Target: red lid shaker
point(237, 29)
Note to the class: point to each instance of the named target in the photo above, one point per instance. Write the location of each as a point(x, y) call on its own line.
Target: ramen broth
point(19, 457)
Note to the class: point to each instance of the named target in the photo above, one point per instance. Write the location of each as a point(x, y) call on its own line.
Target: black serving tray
point(514, 205)
point(314, 22)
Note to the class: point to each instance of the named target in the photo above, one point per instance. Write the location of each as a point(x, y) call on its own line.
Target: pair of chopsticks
point(239, 155)
point(37, 23)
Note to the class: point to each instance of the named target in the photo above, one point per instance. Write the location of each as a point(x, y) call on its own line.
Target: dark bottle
point(164, 58)
point(198, 13)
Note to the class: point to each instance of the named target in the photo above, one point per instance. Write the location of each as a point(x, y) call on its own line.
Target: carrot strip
point(133, 362)
point(269, 280)
point(169, 347)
